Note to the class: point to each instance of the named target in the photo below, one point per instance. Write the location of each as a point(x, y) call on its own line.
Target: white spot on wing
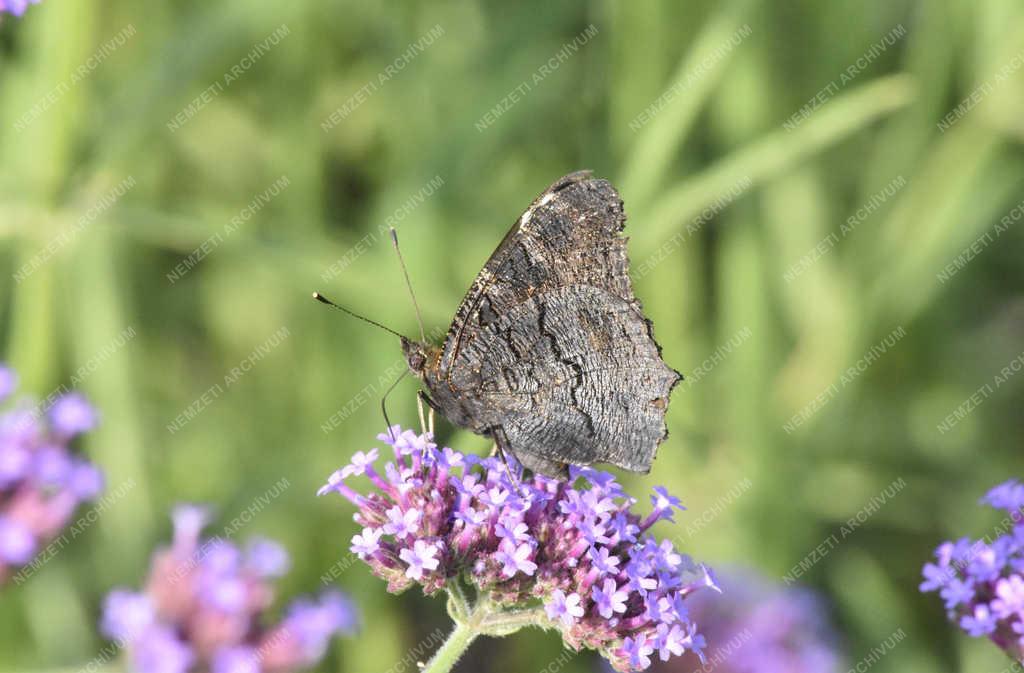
point(544, 200)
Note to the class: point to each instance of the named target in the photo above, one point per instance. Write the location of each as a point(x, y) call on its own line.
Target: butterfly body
point(549, 352)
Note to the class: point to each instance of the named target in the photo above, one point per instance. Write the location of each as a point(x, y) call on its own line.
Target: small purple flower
point(980, 623)
point(935, 577)
point(609, 599)
point(126, 614)
point(17, 544)
point(24, 425)
point(334, 482)
point(659, 609)
point(85, 480)
point(517, 532)
point(958, 592)
point(986, 565)
point(1008, 496)
point(16, 7)
point(338, 614)
point(598, 504)
point(402, 524)
point(15, 463)
point(220, 558)
point(267, 558)
point(604, 560)
point(314, 623)
point(360, 462)
point(639, 651)
point(515, 559)
point(594, 531)
point(663, 502)
point(189, 521)
point(366, 543)
point(625, 529)
point(224, 593)
point(473, 517)
point(421, 557)
point(1009, 596)
point(497, 496)
point(52, 466)
point(449, 458)
point(566, 609)
point(240, 659)
point(671, 640)
point(640, 579)
point(160, 650)
point(72, 415)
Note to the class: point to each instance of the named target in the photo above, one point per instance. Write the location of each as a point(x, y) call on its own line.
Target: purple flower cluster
point(41, 481)
point(982, 581)
point(761, 626)
point(435, 515)
point(202, 609)
point(16, 7)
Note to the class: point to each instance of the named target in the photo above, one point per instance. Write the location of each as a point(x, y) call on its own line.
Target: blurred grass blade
point(958, 192)
point(776, 152)
point(698, 72)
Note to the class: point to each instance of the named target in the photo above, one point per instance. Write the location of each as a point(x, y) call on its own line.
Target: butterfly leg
point(427, 424)
point(503, 448)
point(419, 408)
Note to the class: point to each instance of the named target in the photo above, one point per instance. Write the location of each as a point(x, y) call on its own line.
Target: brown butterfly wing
point(577, 216)
point(550, 347)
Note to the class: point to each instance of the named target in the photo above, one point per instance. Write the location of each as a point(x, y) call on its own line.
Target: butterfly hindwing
point(592, 388)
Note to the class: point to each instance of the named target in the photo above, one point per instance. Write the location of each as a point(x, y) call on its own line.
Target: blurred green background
point(717, 186)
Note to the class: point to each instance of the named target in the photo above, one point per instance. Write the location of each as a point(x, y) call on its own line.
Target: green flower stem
point(458, 642)
point(504, 622)
point(483, 618)
point(458, 603)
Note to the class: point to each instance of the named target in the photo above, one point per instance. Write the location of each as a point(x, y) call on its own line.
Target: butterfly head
point(417, 355)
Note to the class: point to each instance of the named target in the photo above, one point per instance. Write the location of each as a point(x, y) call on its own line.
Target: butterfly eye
point(417, 361)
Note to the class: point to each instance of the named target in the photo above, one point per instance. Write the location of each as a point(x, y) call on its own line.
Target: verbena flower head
point(761, 626)
point(434, 515)
point(203, 605)
point(16, 7)
point(42, 481)
point(982, 582)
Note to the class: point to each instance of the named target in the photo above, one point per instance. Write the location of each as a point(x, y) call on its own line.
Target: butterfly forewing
point(568, 236)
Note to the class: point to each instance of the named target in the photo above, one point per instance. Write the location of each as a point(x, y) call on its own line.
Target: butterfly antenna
point(320, 298)
point(499, 446)
point(384, 403)
point(408, 284)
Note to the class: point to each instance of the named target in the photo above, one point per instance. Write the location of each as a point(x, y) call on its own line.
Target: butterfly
point(550, 353)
